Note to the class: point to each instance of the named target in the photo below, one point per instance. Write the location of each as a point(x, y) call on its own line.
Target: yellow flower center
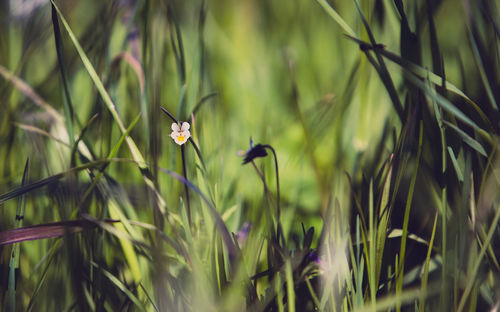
point(181, 138)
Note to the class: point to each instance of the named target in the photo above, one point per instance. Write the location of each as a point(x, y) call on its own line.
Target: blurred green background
point(281, 73)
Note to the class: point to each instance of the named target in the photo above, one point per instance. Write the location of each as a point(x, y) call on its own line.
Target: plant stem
point(277, 187)
point(186, 189)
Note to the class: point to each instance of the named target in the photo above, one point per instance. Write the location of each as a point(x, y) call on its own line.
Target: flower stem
point(278, 211)
point(186, 189)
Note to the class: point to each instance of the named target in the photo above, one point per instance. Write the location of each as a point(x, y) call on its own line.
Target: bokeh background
point(278, 73)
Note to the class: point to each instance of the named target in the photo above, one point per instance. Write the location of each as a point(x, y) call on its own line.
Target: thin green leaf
point(228, 241)
point(40, 183)
point(177, 46)
point(482, 73)
point(68, 106)
point(119, 284)
point(467, 138)
point(25, 89)
point(456, 166)
point(409, 200)
point(472, 278)
point(37, 130)
point(336, 17)
point(383, 223)
point(426, 266)
point(421, 72)
point(110, 156)
point(53, 250)
point(371, 253)
point(136, 154)
point(384, 73)
point(10, 301)
point(290, 285)
point(443, 102)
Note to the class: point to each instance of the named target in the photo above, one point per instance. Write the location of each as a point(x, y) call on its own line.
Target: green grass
point(370, 182)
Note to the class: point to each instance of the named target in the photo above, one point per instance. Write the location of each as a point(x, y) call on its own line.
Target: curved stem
point(277, 185)
point(169, 115)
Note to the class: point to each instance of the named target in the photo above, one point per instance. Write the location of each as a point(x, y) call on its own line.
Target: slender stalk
point(169, 115)
point(278, 211)
point(186, 189)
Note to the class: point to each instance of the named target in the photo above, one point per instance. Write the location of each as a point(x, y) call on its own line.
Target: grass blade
point(43, 182)
point(10, 301)
point(467, 138)
point(68, 106)
point(444, 103)
point(456, 166)
point(136, 154)
point(472, 279)
point(119, 284)
point(290, 285)
point(420, 72)
point(482, 73)
point(402, 253)
point(384, 73)
point(25, 89)
point(383, 223)
point(336, 17)
point(226, 237)
point(426, 266)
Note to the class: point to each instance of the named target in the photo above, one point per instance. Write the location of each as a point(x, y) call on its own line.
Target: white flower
point(180, 134)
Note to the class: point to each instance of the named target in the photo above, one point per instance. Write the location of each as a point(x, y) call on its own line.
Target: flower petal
point(185, 126)
point(175, 127)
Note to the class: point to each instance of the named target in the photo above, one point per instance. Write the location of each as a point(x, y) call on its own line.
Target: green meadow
point(305, 155)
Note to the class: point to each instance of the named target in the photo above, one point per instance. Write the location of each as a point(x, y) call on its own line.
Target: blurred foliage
point(380, 119)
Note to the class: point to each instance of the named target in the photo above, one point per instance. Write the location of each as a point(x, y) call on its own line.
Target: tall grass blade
point(68, 106)
point(136, 154)
point(445, 104)
point(226, 237)
point(54, 178)
point(425, 277)
point(384, 73)
point(10, 301)
point(119, 284)
point(402, 253)
point(128, 250)
point(25, 89)
point(482, 73)
point(177, 45)
point(290, 285)
point(383, 221)
point(417, 70)
point(472, 277)
point(336, 17)
point(456, 166)
point(51, 253)
point(467, 138)
point(371, 259)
